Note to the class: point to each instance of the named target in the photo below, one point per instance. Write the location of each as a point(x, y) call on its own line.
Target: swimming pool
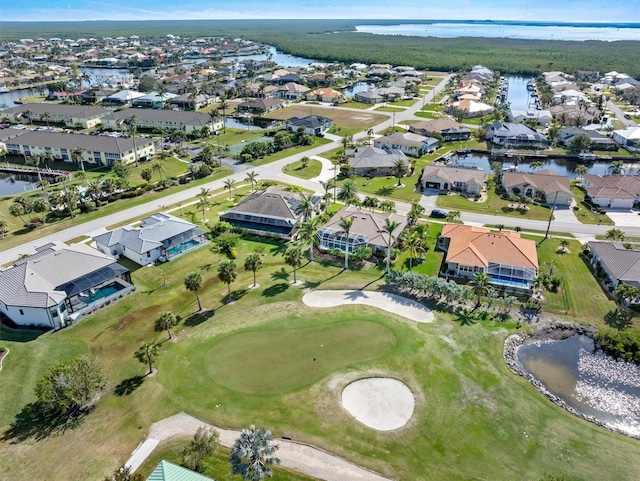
point(180, 248)
point(104, 291)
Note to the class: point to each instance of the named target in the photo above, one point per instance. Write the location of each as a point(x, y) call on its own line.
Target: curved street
point(273, 171)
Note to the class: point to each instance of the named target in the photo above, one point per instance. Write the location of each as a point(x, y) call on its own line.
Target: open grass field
point(312, 170)
point(235, 364)
point(347, 121)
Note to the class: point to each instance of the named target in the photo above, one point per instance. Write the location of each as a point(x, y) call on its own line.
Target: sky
point(541, 10)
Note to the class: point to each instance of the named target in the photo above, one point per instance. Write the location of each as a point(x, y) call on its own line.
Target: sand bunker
point(379, 403)
point(382, 300)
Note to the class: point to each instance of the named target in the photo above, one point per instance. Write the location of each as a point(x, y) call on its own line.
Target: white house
point(628, 138)
point(543, 117)
point(408, 143)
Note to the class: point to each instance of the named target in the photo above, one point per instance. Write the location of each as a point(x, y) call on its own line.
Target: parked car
point(438, 213)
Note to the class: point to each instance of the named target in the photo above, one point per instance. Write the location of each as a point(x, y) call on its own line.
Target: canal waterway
point(10, 185)
point(517, 94)
point(587, 380)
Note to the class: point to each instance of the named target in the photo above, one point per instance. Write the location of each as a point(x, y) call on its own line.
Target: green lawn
point(352, 104)
point(312, 170)
point(493, 205)
point(585, 214)
point(427, 115)
point(471, 411)
point(389, 109)
point(292, 151)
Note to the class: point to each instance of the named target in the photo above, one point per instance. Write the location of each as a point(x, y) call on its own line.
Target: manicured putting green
point(273, 361)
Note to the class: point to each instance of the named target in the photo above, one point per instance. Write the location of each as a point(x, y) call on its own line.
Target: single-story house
point(166, 471)
point(628, 138)
point(260, 106)
point(369, 97)
point(554, 187)
point(69, 115)
point(188, 101)
point(598, 141)
point(408, 143)
point(124, 97)
point(97, 149)
point(160, 237)
point(568, 114)
point(509, 134)
point(59, 282)
point(441, 177)
point(312, 124)
point(449, 129)
point(185, 120)
point(373, 161)
point(273, 211)
point(154, 100)
point(292, 91)
point(366, 231)
point(621, 265)
point(326, 94)
point(543, 117)
point(613, 191)
point(509, 260)
point(470, 108)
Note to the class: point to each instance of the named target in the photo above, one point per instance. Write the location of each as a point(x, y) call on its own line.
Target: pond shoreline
point(551, 332)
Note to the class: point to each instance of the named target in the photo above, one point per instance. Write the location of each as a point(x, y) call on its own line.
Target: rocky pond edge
point(552, 332)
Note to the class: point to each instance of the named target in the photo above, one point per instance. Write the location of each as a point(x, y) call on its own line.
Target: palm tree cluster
point(414, 241)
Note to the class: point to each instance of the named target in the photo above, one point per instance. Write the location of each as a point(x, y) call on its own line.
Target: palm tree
point(581, 170)
point(46, 116)
point(415, 213)
point(132, 128)
point(228, 184)
point(166, 321)
point(389, 227)
point(193, 283)
point(17, 210)
point(415, 244)
point(348, 191)
point(616, 168)
point(305, 207)
point(563, 244)
point(614, 234)
point(159, 168)
point(400, 167)
point(253, 262)
point(453, 215)
point(3, 228)
point(77, 155)
point(252, 177)
point(147, 354)
point(346, 223)
point(293, 258)
point(370, 134)
point(252, 453)
point(227, 273)
point(347, 140)
point(203, 203)
point(480, 286)
point(308, 233)
point(224, 106)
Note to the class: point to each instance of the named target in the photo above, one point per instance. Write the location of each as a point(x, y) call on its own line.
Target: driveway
point(565, 215)
point(428, 199)
point(624, 217)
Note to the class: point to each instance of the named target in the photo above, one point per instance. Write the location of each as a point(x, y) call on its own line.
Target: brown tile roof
point(367, 223)
point(478, 246)
point(614, 186)
point(545, 180)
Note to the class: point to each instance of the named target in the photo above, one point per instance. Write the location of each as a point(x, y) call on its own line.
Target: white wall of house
point(29, 316)
point(613, 203)
point(143, 259)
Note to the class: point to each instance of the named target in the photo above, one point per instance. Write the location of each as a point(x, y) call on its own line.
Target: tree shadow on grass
point(281, 275)
point(466, 317)
point(275, 289)
point(618, 319)
point(35, 422)
point(127, 386)
point(198, 318)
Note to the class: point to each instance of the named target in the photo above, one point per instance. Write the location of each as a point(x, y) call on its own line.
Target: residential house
point(154, 100)
point(292, 91)
point(373, 161)
point(124, 97)
point(366, 230)
point(166, 471)
point(369, 97)
point(273, 212)
point(628, 138)
point(619, 264)
point(454, 178)
point(69, 115)
point(545, 185)
point(160, 237)
point(408, 143)
point(612, 191)
point(312, 124)
point(187, 101)
point(96, 95)
point(470, 108)
point(260, 106)
point(569, 96)
point(542, 117)
point(96, 149)
point(326, 94)
point(152, 119)
point(509, 260)
point(510, 135)
point(449, 129)
point(575, 114)
point(55, 285)
point(598, 141)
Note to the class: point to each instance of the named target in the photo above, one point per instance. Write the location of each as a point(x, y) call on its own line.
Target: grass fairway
point(280, 360)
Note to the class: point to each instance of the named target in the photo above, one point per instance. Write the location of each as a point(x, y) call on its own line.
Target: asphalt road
point(273, 171)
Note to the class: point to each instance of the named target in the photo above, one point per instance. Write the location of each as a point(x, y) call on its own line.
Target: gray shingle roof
point(92, 143)
point(623, 263)
point(374, 157)
point(273, 202)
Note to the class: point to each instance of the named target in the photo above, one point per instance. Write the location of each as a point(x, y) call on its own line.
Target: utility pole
point(546, 234)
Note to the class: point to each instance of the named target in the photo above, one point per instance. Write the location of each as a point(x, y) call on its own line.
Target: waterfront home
point(58, 283)
point(542, 117)
point(366, 230)
point(408, 143)
point(628, 138)
point(96, 149)
point(469, 108)
point(291, 91)
point(312, 124)
point(187, 101)
point(449, 179)
point(509, 260)
point(546, 186)
point(326, 94)
point(185, 120)
point(598, 141)
point(160, 237)
point(512, 135)
point(449, 129)
point(154, 100)
point(619, 264)
point(69, 115)
point(271, 212)
point(612, 191)
point(260, 106)
point(373, 161)
point(575, 114)
point(124, 97)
